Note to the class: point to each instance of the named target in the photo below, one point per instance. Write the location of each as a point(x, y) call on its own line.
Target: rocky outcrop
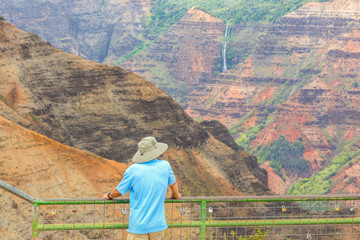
point(185, 56)
point(221, 133)
point(100, 30)
point(106, 110)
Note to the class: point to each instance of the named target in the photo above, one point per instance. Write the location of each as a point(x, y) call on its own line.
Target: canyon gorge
point(296, 77)
point(69, 127)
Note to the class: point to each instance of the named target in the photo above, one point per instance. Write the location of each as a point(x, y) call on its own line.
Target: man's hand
point(113, 194)
point(175, 196)
point(105, 196)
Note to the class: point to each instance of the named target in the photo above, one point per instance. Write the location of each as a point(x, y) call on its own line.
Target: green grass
point(3, 99)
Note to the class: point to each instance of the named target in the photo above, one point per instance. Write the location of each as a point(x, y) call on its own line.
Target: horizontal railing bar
point(79, 201)
point(16, 192)
point(283, 198)
point(279, 198)
point(231, 223)
point(79, 226)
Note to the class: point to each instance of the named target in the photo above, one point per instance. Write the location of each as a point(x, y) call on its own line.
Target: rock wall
point(100, 30)
point(185, 56)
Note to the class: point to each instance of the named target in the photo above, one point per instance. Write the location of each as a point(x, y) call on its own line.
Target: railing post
point(35, 222)
point(203, 220)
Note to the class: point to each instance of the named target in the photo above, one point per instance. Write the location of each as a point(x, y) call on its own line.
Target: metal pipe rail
point(275, 198)
point(16, 192)
point(205, 221)
point(199, 216)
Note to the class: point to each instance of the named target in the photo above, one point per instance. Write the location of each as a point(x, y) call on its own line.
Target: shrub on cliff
point(2, 18)
point(283, 154)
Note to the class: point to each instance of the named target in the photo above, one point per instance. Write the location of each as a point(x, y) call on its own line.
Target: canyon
point(62, 118)
point(297, 77)
point(106, 110)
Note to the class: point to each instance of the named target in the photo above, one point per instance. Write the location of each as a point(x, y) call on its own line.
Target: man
point(147, 181)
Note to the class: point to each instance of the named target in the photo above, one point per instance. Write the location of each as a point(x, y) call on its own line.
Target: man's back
point(147, 183)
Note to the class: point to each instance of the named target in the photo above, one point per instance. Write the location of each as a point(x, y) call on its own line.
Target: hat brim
point(159, 149)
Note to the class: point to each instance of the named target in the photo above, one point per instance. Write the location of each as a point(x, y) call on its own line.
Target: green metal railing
point(278, 217)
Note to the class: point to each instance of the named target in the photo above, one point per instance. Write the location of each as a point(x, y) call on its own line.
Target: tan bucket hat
point(148, 150)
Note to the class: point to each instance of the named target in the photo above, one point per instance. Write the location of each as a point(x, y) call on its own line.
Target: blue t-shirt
point(148, 184)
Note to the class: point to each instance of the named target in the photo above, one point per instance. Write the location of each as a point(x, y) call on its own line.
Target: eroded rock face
point(106, 110)
point(185, 56)
point(347, 181)
point(328, 103)
point(220, 132)
point(303, 70)
point(93, 29)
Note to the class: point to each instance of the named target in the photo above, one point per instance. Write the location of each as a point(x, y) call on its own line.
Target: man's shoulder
point(131, 168)
point(163, 162)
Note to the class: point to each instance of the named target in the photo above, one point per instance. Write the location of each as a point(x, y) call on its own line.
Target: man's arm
point(113, 194)
point(175, 193)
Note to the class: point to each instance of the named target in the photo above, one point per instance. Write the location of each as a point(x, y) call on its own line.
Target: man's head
point(148, 149)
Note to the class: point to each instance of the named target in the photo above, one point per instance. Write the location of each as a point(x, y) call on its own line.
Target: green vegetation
point(2, 18)
point(283, 154)
point(259, 10)
point(238, 126)
point(259, 235)
point(142, 46)
point(246, 137)
point(282, 94)
point(3, 99)
point(164, 13)
point(321, 182)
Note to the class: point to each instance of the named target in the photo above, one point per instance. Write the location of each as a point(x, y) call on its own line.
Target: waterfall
point(223, 46)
